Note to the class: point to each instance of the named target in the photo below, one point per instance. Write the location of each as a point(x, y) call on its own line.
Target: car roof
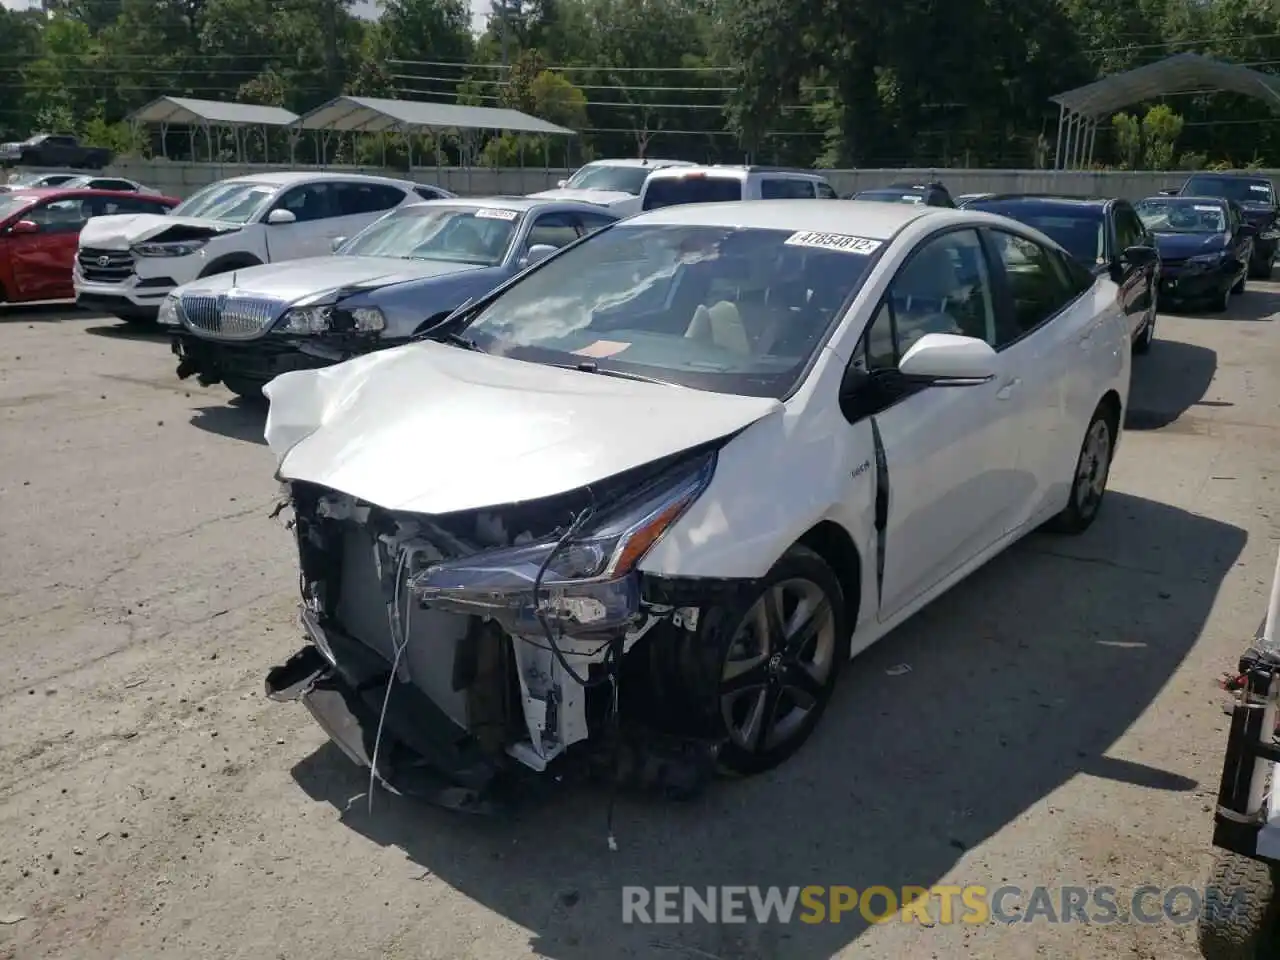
point(44, 193)
point(1229, 175)
point(734, 170)
point(1044, 198)
point(1163, 198)
point(514, 203)
point(289, 178)
point(875, 221)
point(655, 162)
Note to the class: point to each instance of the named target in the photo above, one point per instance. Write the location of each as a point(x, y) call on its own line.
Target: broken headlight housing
point(170, 313)
point(588, 581)
point(181, 248)
point(327, 317)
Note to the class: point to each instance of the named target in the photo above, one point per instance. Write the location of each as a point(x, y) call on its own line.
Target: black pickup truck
point(54, 150)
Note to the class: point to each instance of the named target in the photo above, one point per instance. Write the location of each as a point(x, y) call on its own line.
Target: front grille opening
point(105, 266)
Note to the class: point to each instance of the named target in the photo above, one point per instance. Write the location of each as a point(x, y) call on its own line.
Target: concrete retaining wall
point(180, 179)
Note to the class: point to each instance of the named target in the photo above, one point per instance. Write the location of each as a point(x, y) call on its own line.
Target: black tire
point(250, 390)
point(1241, 925)
point(1220, 300)
point(1239, 287)
point(798, 565)
point(1081, 510)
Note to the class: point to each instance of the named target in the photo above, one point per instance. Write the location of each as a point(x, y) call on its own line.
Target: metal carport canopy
point(184, 110)
point(373, 115)
point(1181, 73)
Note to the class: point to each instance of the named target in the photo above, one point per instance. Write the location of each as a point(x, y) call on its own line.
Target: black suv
point(932, 194)
point(1257, 198)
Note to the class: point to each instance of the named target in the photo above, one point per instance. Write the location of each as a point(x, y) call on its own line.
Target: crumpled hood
point(1178, 246)
point(120, 231)
point(431, 428)
point(601, 198)
point(292, 280)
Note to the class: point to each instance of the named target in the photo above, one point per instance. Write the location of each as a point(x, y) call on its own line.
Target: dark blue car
point(1205, 247)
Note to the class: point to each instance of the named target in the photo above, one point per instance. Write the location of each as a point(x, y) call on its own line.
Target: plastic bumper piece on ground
point(423, 753)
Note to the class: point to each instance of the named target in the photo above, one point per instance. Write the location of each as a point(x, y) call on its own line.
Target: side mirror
point(24, 227)
point(1140, 256)
point(1248, 230)
point(949, 360)
point(338, 242)
point(561, 183)
point(281, 216)
point(539, 251)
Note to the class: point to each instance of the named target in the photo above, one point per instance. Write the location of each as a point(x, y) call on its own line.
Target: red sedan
point(39, 232)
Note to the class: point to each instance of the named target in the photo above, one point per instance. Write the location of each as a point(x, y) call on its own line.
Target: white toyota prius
point(638, 504)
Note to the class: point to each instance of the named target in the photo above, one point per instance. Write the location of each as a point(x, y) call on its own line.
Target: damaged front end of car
point(455, 655)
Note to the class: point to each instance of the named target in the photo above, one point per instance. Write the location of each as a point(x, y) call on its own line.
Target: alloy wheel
point(778, 666)
point(1095, 463)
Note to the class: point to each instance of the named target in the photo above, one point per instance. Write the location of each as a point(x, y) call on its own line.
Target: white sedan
point(725, 446)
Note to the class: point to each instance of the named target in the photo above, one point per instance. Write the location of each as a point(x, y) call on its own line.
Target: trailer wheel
point(1238, 923)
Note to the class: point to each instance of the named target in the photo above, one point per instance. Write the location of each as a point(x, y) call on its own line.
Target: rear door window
point(355, 198)
point(786, 188)
point(669, 191)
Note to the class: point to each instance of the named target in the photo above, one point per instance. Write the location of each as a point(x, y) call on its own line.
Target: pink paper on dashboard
point(602, 348)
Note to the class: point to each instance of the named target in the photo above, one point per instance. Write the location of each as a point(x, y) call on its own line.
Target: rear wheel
point(779, 663)
point(1093, 467)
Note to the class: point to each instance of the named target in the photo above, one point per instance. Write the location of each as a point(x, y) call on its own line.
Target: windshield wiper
point(457, 339)
point(589, 366)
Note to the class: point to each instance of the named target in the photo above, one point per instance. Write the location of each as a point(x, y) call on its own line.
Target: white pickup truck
point(127, 264)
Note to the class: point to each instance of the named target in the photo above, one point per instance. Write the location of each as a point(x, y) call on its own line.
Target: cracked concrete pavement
point(1060, 724)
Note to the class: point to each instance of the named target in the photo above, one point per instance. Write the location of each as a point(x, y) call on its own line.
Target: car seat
point(721, 325)
point(922, 295)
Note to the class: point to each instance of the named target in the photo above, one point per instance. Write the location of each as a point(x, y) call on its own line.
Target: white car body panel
point(969, 469)
point(385, 427)
point(266, 243)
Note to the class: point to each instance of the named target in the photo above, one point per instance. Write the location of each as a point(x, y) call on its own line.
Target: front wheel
point(1239, 287)
point(779, 663)
point(1093, 467)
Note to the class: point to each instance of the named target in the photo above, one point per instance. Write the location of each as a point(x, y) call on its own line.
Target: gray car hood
point(291, 281)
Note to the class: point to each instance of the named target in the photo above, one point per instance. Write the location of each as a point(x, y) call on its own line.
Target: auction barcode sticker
point(833, 241)
point(1259, 188)
point(488, 213)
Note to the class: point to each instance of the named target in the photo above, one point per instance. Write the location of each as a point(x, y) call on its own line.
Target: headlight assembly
point(183, 248)
point(329, 317)
point(587, 581)
point(1207, 259)
point(170, 314)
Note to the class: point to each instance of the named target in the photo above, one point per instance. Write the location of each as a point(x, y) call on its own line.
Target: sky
point(479, 9)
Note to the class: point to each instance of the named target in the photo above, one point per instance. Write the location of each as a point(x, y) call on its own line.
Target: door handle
point(1007, 388)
